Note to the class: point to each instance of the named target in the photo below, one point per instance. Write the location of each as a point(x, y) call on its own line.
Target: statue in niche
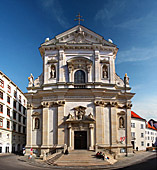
point(37, 123)
point(31, 80)
point(53, 72)
point(105, 72)
point(121, 122)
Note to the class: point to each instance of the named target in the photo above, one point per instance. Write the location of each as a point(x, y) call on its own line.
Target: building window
point(1, 83)
point(0, 134)
point(147, 144)
point(20, 98)
point(133, 134)
point(133, 125)
point(141, 126)
point(19, 128)
point(8, 124)
point(15, 93)
point(79, 77)
point(14, 104)
point(24, 129)
point(1, 95)
point(1, 122)
point(148, 137)
point(142, 143)
point(37, 123)
point(14, 114)
point(24, 110)
point(19, 107)
point(9, 89)
point(24, 102)
point(8, 99)
point(7, 136)
point(8, 112)
point(24, 120)
point(1, 108)
point(19, 118)
point(14, 126)
point(121, 122)
point(142, 135)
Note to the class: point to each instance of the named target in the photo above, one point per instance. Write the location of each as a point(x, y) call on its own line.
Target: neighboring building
point(12, 116)
point(138, 126)
point(143, 134)
point(150, 135)
point(79, 100)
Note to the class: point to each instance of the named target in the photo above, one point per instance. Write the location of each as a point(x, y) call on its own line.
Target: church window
point(105, 71)
point(53, 71)
point(79, 77)
point(37, 123)
point(121, 122)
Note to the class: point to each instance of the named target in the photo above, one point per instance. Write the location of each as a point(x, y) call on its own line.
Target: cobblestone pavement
point(19, 162)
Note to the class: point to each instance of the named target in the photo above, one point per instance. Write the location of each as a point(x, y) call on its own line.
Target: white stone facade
point(12, 128)
point(79, 100)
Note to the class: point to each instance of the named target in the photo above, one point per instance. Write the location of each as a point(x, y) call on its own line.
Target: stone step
point(80, 158)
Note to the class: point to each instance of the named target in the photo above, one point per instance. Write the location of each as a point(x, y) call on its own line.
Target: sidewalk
point(138, 157)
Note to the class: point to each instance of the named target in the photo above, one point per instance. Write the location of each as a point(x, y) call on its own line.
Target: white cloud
point(55, 10)
point(146, 108)
point(136, 54)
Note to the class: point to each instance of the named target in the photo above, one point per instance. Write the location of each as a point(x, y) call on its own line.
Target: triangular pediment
point(78, 35)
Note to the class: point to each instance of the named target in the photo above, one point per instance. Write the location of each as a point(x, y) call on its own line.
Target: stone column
point(89, 73)
point(61, 123)
point(70, 144)
point(99, 122)
point(45, 125)
point(113, 124)
point(91, 128)
point(29, 129)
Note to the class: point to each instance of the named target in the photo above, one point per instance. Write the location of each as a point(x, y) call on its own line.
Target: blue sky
point(132, 25)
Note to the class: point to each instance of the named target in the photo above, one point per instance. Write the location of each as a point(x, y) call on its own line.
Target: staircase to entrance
point(80, 158)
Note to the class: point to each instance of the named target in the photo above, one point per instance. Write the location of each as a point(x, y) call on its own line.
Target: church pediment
point(79, 35)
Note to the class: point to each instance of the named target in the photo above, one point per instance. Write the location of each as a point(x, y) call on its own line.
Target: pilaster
point(45, 124)
point(97, 66)
point(113, 124)
point(61, 122)
point(61, 69)
point(99, 122)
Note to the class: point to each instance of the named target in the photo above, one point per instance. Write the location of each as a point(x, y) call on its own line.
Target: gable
point(79, 35)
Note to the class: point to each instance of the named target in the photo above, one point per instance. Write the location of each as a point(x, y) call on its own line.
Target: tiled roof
point(134, 115)
point(150, 127)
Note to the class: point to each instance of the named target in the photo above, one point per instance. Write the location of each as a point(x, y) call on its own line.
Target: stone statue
point(121, 122)
point(53, 72)
point(105, 72)
point(126, 79)
point(36, 123)
point(31, 81)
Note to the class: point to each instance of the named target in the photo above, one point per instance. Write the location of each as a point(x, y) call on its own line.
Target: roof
point(134, 115)
point(150, 127)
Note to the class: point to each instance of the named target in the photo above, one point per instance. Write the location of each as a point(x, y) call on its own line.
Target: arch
point(79, 77)
point(37, 123)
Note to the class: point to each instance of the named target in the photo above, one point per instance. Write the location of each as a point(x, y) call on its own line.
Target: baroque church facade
point(78, 101)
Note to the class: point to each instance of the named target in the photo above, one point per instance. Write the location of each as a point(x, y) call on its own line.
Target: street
point(11, 162)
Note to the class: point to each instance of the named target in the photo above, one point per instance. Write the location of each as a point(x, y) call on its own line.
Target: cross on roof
point(79, 18)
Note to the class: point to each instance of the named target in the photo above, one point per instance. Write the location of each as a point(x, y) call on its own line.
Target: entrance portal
point(80, 140)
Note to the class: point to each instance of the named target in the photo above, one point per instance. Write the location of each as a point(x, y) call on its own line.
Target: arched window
point(79, 77)
point(37, 123)
point(121, 122)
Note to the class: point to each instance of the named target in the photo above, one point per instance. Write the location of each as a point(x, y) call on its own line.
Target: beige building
point(79, 101)
point(12, 116)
